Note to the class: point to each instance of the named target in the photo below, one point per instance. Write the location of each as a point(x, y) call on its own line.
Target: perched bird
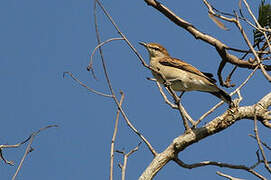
point(181, 75)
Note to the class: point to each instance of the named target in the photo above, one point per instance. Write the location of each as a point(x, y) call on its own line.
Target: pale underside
point(182, 80)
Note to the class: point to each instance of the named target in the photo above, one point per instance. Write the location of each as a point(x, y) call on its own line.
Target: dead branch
point(262, 67)
point(227, 176)
point(218, 164)
point(221, 102)
point(218, 124)
point(114, 138)
point(29, 148)
point(259, 141)
point(125, 158)
point(220, 47)
point(107, 77)
point(85, 86)
point(90, 66)
point(263, 143)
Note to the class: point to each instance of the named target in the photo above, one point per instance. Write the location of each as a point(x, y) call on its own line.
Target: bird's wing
point(177, 63)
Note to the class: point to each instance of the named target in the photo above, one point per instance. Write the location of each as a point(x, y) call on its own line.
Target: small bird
point(181, 75)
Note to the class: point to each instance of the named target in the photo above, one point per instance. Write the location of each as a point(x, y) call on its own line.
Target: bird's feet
point(167, 83)
point(181, 94)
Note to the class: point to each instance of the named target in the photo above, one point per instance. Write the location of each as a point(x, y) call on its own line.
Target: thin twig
point(258, 162)
point(90, 66)
point(223, 62)
point(217, 15)
point(114, 138)
point(125, 158)
point(219, 164)
point(173, 106)
point(219, 72)
point(82, 84)
point(228, 79)
point(29, 148)
point(10, 146)
point(258, 24)
point(122, 35)
point(263, 143)
point(108, 79)
point(181, 109)
point(4, 159)
point(185, 116)
point(238, 24)
point(259, 141)
point(227, 176)
point(231, 94)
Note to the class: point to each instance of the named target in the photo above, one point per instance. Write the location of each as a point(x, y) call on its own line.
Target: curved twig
point(90, 66)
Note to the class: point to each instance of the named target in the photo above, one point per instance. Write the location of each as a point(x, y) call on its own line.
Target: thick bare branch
point(218, 124)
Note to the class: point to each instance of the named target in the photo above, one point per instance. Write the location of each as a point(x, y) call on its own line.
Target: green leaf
point(264, 19)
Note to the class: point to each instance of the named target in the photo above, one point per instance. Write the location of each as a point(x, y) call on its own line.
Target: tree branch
point(220, 47)
point(218, 164)
point(218, 124)
point(259, 142)
point(125, 159)
point(29, 148)
point(114, 138)
point(108, 79)
point(227, 176)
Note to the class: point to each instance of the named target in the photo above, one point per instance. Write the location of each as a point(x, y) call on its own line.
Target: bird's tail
point(223, 96)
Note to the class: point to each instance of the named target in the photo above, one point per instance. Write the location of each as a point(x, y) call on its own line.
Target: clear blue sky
point(42, 39)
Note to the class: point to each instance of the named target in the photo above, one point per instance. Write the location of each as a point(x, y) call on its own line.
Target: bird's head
point(155, 49)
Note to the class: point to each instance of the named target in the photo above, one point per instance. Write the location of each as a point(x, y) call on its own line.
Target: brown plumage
point(183, 76)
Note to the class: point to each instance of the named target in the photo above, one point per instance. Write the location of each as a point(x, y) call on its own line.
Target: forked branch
point(218, 124)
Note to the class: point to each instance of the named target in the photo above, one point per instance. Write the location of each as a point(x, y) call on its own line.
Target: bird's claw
point(167, 83)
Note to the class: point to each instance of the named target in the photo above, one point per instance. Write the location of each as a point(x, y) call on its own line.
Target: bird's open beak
point(143, 44)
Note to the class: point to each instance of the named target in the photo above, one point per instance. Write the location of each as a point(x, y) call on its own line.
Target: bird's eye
point(155, 48)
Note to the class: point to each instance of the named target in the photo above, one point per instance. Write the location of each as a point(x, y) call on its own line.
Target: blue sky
point(42, 39)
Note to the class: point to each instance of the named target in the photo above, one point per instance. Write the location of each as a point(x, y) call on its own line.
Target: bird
point(181, 75)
